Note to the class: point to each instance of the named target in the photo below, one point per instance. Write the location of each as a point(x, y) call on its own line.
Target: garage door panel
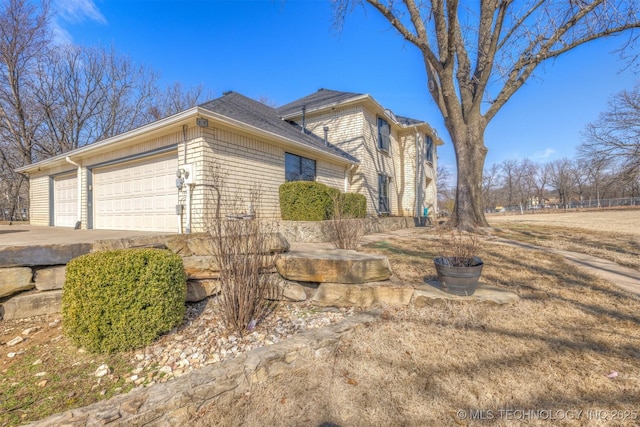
point(65, 200)
point(138, 195)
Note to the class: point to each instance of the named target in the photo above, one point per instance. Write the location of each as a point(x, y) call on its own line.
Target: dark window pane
point(384, 134)
point(429, 148)
point(308, 169)
point(383, 194)
point(291, 167)
point(298, 168)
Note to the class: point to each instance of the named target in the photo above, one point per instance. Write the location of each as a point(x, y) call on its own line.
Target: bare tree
point(90, 93)
point(445, 191)
point(543, 176)
point(490, 184)
point(527, 171)
point(177, 98)
point(616, 133)
point(24, 40)
point(580, 177)
point(129, 89)
point(486, 52)
point(561, 179)
point(511, 180)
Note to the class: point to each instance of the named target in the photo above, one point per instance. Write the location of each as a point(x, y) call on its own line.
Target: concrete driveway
point(32, 235)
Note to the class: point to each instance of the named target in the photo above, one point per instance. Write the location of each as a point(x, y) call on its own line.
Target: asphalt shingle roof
point(238, 107)
point(326, 97)
point(321, 98)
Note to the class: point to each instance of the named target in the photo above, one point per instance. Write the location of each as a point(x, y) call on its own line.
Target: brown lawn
point(568, 353)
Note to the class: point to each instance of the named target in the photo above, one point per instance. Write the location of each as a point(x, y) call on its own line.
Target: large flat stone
point(15, 256)
point(362, 295)
point(201, 267)
point(197, 290)
point(185, 245)
point(428, 294)
point(202, 244)
point(177, 243)
point(14, 280)
point(49, 278)
point(32, 304)
point(333, 266)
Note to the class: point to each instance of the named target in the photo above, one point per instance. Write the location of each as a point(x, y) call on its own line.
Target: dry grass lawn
point(623, 221)
point(567, 353)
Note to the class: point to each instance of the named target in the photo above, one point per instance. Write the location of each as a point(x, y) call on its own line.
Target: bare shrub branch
point(457, 248)
point(347, 230)
point(242, 250)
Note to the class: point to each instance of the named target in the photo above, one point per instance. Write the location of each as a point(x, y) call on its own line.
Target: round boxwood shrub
point(122, 299)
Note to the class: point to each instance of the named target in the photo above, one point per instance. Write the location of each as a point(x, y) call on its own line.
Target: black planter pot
point(458, 280)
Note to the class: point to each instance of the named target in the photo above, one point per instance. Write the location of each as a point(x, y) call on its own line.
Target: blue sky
point(285, 49)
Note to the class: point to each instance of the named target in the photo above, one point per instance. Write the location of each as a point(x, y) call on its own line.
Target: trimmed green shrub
point(122, 299)
point(305, 201)
point(353, 205)
point(313, 201)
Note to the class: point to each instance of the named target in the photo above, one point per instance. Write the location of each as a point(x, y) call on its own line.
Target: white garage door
point(65, 200)
point(137, 195)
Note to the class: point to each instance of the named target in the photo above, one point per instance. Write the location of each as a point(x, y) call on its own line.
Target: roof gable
point(317, 100)
point(246, 110)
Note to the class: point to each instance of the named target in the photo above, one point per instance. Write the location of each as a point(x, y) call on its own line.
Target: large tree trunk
point(468, 141)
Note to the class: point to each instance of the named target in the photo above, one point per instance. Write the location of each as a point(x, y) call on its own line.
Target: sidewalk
point(623, 277)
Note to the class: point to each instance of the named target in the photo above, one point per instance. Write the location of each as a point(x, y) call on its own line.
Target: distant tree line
point(55, 98)
point(606, 166)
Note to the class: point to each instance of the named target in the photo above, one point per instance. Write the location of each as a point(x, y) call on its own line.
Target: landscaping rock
point(333, 266)
point(290, 291)
point(16, 256)
point(201, 267)
point(49, 278)
point(14, 280)
point(293, 292)
point(362, 295)
point(197, 290)
point(177, 243)
point(201, 244)
point(426, 295)
point(32, 304)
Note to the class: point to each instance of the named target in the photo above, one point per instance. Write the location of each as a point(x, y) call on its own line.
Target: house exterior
point(161, 176)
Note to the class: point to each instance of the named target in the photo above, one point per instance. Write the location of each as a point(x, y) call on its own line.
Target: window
point(384, 134)
point(428, 142)
point(297, 168)
point(383, 193)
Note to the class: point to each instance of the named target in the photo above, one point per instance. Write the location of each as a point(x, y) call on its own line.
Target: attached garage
point(65, 200)
point(136, 195)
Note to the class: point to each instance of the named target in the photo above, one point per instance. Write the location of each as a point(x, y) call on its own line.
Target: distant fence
point(584, 204)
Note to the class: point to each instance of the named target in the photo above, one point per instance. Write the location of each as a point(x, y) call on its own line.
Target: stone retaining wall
point(320, 231)
point(176, 401)
point(31, 277)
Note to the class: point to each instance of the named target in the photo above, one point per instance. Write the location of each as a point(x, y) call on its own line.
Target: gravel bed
point(204, 339)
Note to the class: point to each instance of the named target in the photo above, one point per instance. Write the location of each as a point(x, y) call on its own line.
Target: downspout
point(346, 176)
point(188, 188)
point(78, 177)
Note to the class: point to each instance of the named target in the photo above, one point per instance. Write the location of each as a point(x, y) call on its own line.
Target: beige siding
point(39, 192)
point(245, 164)
point(330, 174)
point(39, 200)
point(355, 130)
point(405, 164)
